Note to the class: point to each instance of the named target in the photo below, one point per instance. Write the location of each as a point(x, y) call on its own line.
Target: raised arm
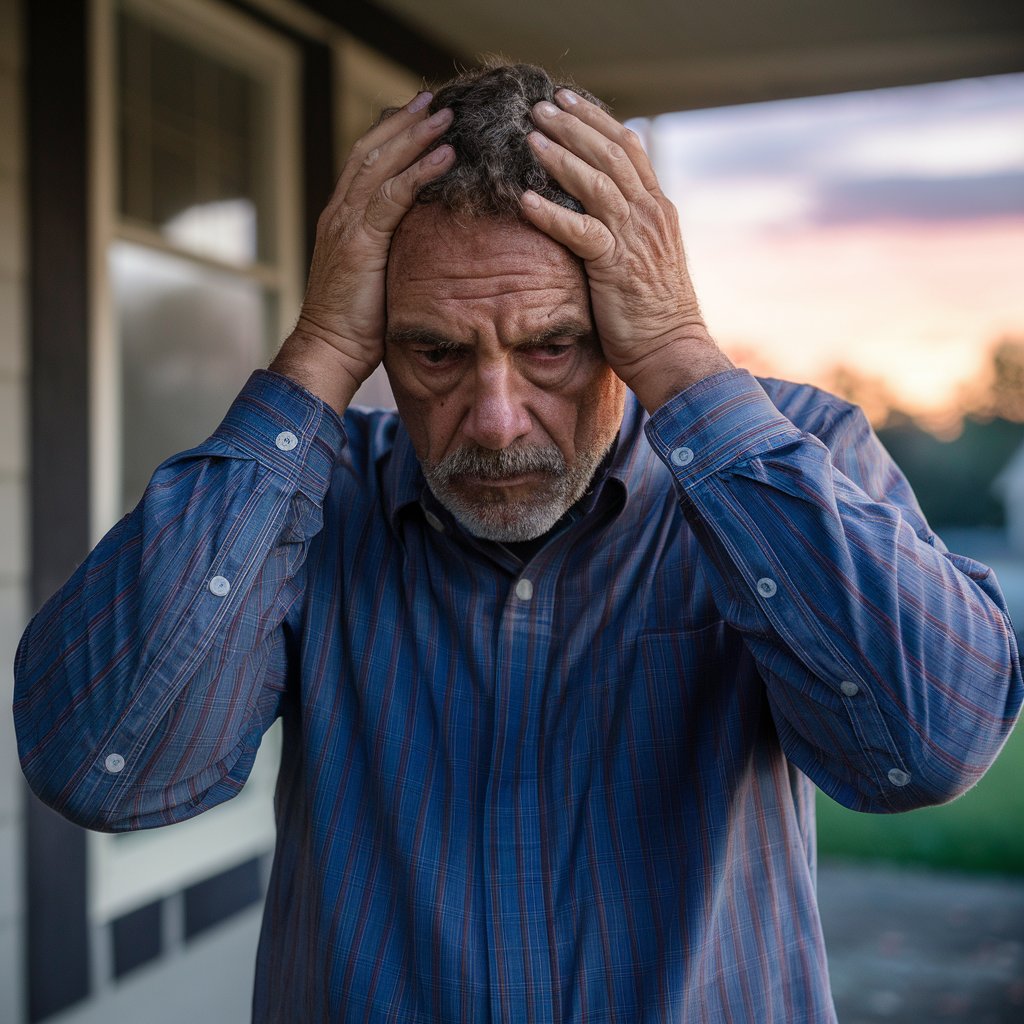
point(890, 665)
point(144, 685)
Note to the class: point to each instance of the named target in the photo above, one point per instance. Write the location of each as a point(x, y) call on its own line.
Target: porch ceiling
point(652, 56)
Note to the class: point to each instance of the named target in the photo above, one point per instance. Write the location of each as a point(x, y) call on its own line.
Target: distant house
point(1008, 486)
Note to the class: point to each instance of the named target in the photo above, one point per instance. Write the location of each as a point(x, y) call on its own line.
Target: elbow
point(69, 800)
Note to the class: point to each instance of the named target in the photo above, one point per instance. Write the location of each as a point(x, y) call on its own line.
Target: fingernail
point(567, 96)
point(531, 199)
point(440, 118)
point(439, 155)
point(419, 101)
point(538, 140)
point(547, 109)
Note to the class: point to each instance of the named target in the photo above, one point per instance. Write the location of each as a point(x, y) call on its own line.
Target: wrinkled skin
point(491, 348)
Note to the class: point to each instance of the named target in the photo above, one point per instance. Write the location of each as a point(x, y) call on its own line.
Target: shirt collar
point(622, 470)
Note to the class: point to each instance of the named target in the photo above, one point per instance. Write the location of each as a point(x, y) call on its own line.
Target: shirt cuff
point(716, 422)
point(286, 428)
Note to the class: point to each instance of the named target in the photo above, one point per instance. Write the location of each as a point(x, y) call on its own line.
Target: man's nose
point(497, 415)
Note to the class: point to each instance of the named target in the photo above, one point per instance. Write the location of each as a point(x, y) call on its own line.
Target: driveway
point(922, 947)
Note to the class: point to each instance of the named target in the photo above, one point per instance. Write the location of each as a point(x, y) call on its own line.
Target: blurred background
point(850, 181)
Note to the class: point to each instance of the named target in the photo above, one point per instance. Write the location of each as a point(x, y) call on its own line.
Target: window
point(198, 229)
point(196, 263)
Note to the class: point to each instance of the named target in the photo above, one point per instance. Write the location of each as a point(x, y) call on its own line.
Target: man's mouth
point(514, 480)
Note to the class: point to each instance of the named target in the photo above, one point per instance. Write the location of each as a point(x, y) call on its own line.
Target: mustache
point(486, 464)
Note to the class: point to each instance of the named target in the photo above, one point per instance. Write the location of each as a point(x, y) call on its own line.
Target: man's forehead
point(431, 242)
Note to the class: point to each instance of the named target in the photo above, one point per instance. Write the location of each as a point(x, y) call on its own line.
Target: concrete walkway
point(915, 947)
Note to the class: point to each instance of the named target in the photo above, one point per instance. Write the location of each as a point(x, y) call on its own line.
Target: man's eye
point(438, 356)
point(552, 350)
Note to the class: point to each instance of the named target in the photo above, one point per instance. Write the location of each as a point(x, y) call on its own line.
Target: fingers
point(581, 234)
point(394, 198)
point(598, 191)
point(598, 138)
point(399, 124)
point(394, 156)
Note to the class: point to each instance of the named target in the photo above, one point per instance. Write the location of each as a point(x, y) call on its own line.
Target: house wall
point(202, 975)
point(13, 500)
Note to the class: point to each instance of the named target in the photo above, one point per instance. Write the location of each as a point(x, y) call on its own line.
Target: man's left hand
point(645, 309)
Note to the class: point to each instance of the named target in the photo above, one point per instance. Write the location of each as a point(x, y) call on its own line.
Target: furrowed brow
point(561, 329)
point(415, 336)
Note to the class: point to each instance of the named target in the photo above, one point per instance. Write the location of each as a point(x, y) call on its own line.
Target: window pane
point(189, 338)
point(195, 143)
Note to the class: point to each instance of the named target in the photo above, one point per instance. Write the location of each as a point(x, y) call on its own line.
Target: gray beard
point(493, 516)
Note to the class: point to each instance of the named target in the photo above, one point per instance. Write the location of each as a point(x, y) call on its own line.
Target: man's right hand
point(338, 340)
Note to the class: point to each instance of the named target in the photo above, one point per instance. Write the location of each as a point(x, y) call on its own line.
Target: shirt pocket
point(700, 697)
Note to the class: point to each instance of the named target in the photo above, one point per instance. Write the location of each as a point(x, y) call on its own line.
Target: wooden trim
point(317, 137)
point(385, 32)
point(57, 943)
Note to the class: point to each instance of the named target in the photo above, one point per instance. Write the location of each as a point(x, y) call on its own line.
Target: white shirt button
point(286, 440)
point(113, 763)
point(524, 590)
point(850, 689)
point(682, 456)
point(898, 777)
point(433, 520)
point(219, 586)
point(766, 587)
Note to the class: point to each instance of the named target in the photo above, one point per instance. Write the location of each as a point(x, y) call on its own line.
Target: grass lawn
point(983, 831)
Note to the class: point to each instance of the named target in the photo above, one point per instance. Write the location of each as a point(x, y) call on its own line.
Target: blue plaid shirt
point(575, 789)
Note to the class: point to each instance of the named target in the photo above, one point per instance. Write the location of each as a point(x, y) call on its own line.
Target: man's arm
point(891, 666)
point(143, 687)
point(339, 338)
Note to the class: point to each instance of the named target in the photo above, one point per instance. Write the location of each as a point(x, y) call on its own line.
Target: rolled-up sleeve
point(890, 663)
point(144, 685)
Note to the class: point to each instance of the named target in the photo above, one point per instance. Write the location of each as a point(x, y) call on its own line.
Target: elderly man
point(558, 649)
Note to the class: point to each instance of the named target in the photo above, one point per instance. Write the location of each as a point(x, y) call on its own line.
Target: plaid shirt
point(575, 789)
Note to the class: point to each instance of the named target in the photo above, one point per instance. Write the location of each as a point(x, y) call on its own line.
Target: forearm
point(143, 686)
point(310, 359)
point(890, 666)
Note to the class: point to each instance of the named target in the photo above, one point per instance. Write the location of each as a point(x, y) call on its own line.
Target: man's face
point(496, 369)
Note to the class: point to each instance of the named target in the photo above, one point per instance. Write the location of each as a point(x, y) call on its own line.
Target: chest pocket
point(699, 695)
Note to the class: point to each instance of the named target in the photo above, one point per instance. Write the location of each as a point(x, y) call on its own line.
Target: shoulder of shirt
point(814, 410)
point(370, 433)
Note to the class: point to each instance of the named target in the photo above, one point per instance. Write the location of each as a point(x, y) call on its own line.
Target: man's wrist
point(674, 368)
point(319, 367)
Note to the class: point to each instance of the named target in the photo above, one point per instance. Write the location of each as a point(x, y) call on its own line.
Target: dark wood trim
point(394, 37)
point(317, 137)
point(56, 89)
point(316, 118)
point(385, 32)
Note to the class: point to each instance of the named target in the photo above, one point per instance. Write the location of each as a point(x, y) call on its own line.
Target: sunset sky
point(882, 230)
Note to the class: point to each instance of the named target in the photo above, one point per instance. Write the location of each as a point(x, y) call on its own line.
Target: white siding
point(13, 500)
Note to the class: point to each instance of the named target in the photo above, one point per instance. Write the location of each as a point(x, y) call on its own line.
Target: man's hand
point(645, 309)
point(339, 338)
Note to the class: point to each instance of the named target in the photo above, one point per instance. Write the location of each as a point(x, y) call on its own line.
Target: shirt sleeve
point(144, 685)
point(890, 664)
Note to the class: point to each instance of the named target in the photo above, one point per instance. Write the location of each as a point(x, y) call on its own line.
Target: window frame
point(225, 34)
point(127, 872)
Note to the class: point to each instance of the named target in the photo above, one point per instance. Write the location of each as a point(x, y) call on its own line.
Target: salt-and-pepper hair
point(493, 161)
